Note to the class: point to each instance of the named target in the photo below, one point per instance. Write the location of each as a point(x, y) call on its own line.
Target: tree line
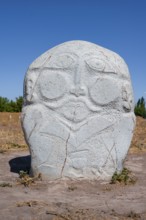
point(140, 108)
point(7, 105)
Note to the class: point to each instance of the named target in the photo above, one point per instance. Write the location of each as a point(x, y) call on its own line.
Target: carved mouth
point(74, 111)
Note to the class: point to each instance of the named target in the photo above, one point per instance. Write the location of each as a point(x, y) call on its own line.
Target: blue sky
point(28, 28)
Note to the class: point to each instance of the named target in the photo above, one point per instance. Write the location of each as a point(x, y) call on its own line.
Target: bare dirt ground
point(67, 200)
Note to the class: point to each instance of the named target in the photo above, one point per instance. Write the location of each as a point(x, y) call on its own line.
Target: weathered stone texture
point(78, 115)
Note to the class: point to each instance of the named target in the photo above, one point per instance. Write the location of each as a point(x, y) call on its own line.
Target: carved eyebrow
point(93, 54)
point(62, 61)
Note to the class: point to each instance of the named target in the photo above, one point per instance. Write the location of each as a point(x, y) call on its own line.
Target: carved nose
point(78, 91)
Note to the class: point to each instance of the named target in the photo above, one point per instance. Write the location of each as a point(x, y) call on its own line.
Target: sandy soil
point(67, 200)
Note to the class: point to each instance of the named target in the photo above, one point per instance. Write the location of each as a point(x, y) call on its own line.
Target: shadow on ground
point(20, 163)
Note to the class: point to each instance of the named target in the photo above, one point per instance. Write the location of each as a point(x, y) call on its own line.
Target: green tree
point(19, 103)
point(4, 104)
point(140, 109)
point(11, 106)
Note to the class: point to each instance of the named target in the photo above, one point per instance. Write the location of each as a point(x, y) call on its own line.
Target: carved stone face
point(87, 90)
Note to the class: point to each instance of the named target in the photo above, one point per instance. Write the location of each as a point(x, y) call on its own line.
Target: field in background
point(11, 135)
point(12, 138)
point(138, 143)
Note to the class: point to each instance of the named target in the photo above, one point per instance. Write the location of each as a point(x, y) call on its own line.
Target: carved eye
point(63, 61)
point(96, 64)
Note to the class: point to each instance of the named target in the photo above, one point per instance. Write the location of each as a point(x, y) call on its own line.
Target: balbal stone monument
point(77, 116)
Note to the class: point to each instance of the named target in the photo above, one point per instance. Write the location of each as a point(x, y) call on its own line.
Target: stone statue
point(78, 115)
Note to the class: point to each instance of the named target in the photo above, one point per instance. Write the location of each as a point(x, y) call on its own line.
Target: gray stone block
point(78, 114)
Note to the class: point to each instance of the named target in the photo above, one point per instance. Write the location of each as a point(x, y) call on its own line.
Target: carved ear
point(127, 98)
point(29, 86)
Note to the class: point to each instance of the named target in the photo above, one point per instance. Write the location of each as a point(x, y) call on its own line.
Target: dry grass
point(11, 135)
point(26, 180)
point(12, 138)
point(138, 143)
point(31, 203)
point(5, 184)
point(125, 177)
